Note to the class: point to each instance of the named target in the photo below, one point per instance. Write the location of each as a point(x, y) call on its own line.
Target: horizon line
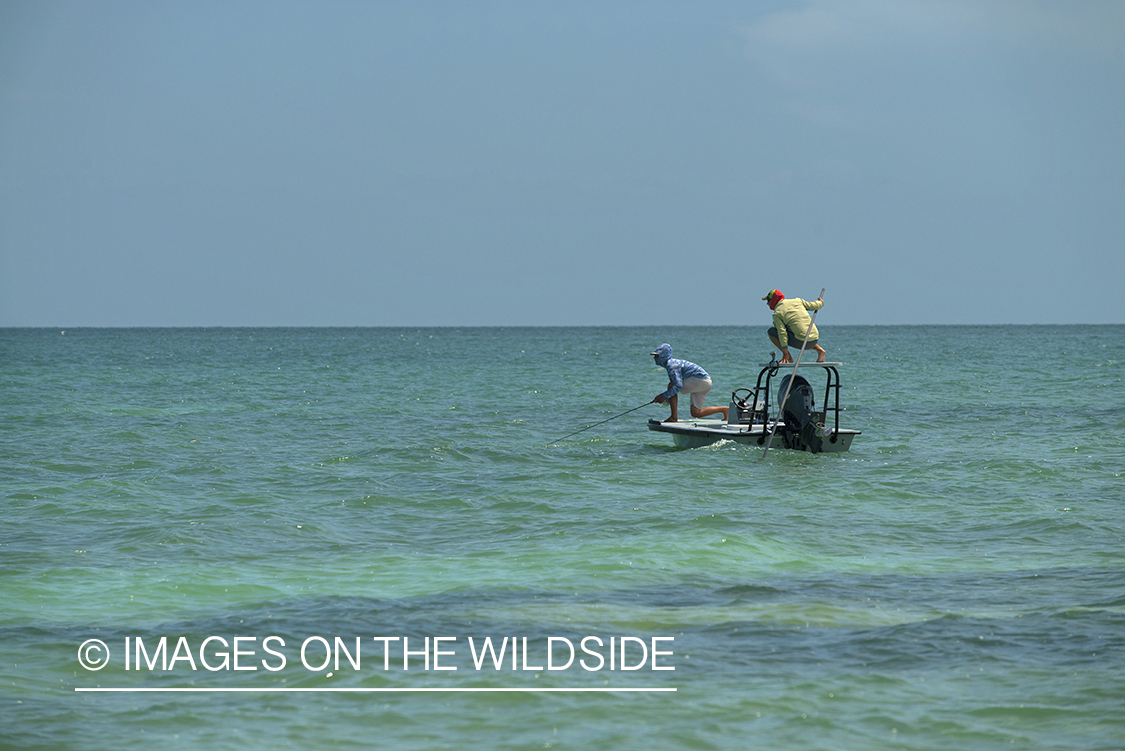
point(330, 689)
point(531, 326)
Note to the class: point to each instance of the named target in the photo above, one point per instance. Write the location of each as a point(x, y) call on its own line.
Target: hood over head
point(663, 354)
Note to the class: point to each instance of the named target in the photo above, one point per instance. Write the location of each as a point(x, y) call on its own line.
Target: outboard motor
point(799, 406)
point(801, 429)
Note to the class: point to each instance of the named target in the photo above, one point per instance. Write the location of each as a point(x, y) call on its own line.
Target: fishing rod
point(634, 409)
point(792, 376)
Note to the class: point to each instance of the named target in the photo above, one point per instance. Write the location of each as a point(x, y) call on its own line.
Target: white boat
point(802, 427)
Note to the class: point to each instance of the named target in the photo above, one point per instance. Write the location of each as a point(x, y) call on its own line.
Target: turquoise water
point(956, 581)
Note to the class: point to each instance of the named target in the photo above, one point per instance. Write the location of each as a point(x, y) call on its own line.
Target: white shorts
point(698, 388)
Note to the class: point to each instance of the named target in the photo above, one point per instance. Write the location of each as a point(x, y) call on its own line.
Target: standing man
point(687, 377)
point(791, 320)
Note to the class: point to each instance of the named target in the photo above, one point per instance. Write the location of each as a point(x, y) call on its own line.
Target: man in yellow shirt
point(791, 320)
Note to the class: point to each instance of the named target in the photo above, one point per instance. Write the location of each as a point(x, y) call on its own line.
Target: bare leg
point(697, 412)
point(820, 351)
point(673, 402)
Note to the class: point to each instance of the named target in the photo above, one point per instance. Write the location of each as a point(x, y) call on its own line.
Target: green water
point(956, 581)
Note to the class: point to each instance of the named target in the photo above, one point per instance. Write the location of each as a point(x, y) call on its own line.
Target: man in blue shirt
point(686, 377)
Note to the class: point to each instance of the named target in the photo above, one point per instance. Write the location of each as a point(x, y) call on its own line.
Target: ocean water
point(956, 581)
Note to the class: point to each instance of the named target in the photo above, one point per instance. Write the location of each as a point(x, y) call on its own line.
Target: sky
point(490, 163)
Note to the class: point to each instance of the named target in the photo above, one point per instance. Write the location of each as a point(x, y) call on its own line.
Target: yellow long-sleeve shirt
point(793, 315)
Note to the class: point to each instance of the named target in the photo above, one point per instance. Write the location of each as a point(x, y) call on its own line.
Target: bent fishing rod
point(792, 376)
point(634, 409)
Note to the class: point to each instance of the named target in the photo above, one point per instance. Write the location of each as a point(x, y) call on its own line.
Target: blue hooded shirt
point(678, 370)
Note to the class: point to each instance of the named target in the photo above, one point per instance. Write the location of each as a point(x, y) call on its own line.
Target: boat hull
point(699, 433)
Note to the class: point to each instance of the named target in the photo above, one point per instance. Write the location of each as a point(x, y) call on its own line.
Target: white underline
point(370, 690)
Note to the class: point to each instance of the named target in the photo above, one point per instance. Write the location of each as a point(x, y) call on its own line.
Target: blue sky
point(571, 163)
